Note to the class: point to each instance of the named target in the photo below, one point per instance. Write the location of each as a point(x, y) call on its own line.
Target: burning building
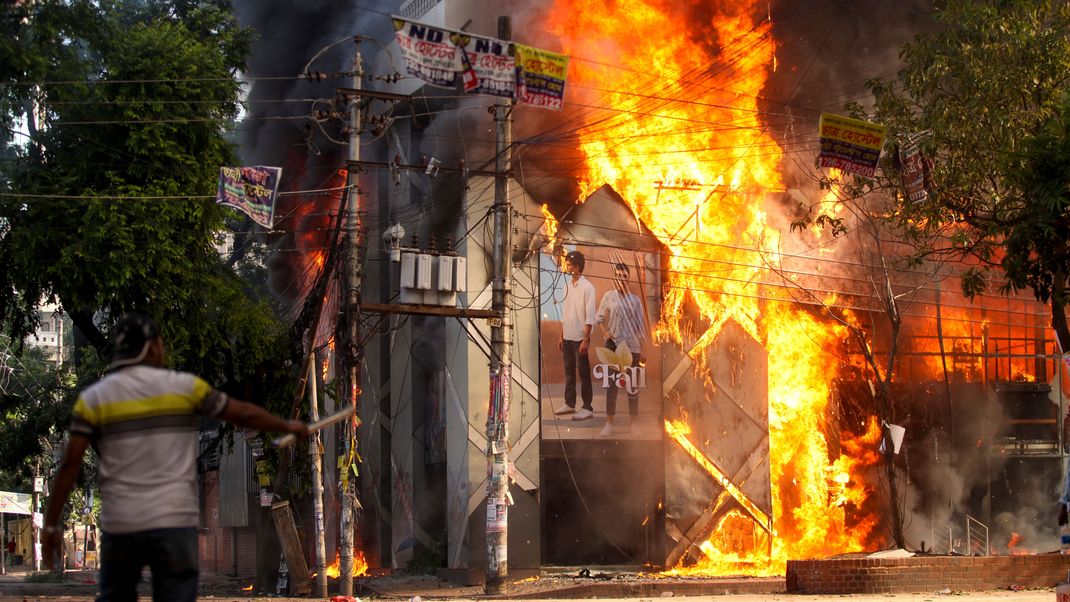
point(754, 423)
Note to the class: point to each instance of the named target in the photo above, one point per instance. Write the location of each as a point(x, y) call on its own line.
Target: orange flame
point(328, 356)
point(963, 332)
point(1013, 546)
point(549, 222)
point(334, 570)
point(531, 579)
point(247, 589)
point(550, 227)
point(360, 565)
point(1016, 538)
point(679, 432)
point(672, 123)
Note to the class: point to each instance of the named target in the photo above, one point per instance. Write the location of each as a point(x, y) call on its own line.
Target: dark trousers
point(171, 554)
point(611, 392)
point(574, 359)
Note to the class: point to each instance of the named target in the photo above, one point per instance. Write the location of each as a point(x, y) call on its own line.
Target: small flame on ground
point(531, 579)
point(247, 589)
point(1013, 546)
point(1016, 538)
point(360, 565)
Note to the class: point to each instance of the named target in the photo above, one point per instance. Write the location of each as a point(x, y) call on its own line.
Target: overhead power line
point(92, 82)
point(177, 120)
point(162, 197)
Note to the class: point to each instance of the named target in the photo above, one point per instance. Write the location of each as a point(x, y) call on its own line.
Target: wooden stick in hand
point(289, 439)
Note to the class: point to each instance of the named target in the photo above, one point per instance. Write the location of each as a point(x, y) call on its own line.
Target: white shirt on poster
point(578, 310)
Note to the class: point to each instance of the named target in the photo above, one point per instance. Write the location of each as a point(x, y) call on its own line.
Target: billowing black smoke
point(279, 128)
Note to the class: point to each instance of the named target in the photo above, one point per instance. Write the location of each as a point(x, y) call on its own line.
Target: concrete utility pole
point(352, 353)
point(59, 348)
point(314, 446)
point(500, 351)
point(37, 489)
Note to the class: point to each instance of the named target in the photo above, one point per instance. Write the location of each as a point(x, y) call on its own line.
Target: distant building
point(53, 327)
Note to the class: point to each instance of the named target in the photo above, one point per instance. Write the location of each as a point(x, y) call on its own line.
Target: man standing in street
point(142, 421)
point(577, 320)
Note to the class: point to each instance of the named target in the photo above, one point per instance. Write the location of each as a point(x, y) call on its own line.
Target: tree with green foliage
point(107, 206)
point(34, 411)
point(978, 92)
point(115, 116)
point(1038, 245)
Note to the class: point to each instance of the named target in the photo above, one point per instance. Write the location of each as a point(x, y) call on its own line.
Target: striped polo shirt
point(143, 423)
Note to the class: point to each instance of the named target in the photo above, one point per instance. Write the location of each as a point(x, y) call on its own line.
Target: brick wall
point(924, 574)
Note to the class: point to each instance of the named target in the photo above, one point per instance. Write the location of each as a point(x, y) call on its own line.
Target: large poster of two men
point(601, 370)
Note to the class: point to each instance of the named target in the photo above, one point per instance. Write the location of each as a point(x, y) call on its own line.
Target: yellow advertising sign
point(850, 144)
point(540, 77)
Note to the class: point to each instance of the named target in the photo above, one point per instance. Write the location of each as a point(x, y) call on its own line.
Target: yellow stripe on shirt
point(132, 409)
point(201, 389)
point(83, 411)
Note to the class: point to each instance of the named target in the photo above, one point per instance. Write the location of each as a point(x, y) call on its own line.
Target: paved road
point(1041, 595)
point(80, 587)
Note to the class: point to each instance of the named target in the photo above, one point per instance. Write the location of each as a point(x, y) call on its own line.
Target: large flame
point(668, 91)
point(964, 332)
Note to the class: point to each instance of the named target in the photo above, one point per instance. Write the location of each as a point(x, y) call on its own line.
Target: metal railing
point(944, 542)
point(942, 538)
point(976, 537)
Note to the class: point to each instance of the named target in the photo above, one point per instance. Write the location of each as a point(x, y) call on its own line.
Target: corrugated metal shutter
point(235, 476)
